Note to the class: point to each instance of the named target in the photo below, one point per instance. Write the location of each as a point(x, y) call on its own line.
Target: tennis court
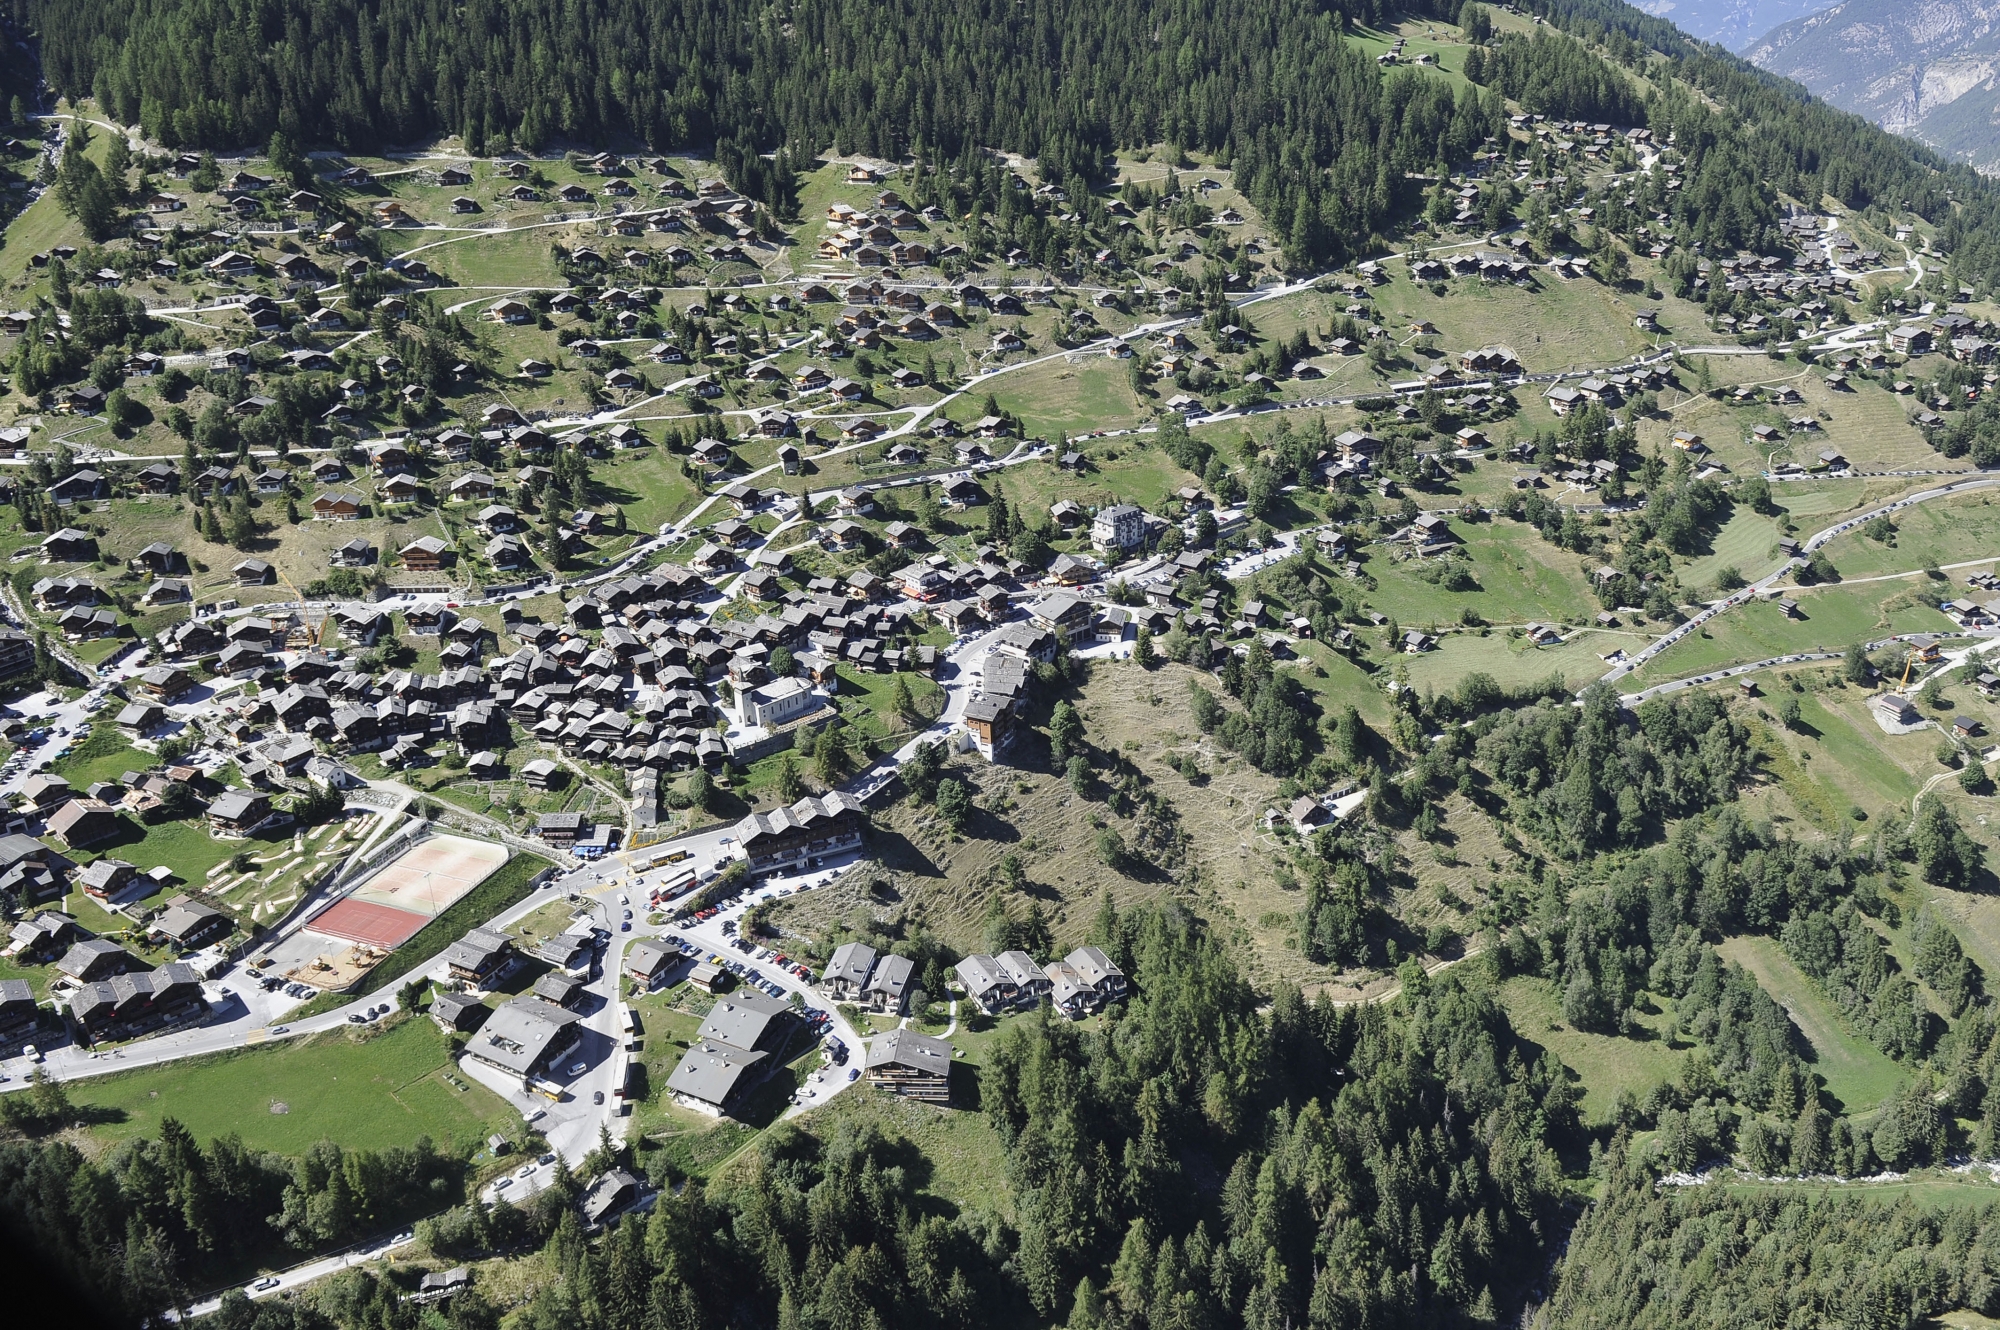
point(371, 925)
point(389, 908)
point(433, 875)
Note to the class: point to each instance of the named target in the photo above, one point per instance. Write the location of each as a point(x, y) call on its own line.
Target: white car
point(578, 1068)
point(503, 1184)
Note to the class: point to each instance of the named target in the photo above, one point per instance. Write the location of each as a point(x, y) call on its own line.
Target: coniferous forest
point(1209, 1155)
point(1322, 137)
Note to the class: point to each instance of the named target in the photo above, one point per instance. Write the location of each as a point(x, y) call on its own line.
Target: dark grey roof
point(892, 976)
point(518, 1035)
point(907, 1048)
point(711, 1071)
point(741, 1020)
point(477, 947)
point(852, 962)
point(649, 958)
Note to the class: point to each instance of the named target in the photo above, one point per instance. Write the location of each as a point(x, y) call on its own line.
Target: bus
point(631, 1022)
point(681, 883)
point(670, 857)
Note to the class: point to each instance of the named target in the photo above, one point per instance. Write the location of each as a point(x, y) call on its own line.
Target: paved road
point(300, 1275)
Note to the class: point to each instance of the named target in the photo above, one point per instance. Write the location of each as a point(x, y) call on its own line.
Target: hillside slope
point(1927, 70)
point(1731, 23)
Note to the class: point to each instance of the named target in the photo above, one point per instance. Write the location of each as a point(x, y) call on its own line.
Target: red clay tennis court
point(372, 925)
point(389, 908)
point(432, 875)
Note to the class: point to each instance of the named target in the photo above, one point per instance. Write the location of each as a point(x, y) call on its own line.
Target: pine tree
point(242, 527)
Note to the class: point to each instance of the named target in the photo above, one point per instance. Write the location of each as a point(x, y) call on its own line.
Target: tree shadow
point(966, 1090)
point(984, 824)
point(899, 853)
point(100, 1115)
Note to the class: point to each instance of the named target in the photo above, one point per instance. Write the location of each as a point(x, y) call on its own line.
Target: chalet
point(81, 823)
point(479, 957)
point(336, 506)
point(235, 814)
point(911, 1065)
point(812, 828)
point(132, 1004)
point(426, 554)
point(1895, 709)
point(526, 1037)
point(69, 545)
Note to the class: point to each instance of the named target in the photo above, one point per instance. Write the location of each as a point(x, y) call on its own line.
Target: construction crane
point(313, 631)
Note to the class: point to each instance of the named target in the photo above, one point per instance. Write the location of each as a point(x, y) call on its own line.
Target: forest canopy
point(1324, 141)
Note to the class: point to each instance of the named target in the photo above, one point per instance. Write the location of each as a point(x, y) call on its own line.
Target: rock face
point(1926, 68)
point(1731, 23)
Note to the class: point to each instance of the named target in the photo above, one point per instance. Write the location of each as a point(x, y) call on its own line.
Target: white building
point(1122, 526)
point(776, 703)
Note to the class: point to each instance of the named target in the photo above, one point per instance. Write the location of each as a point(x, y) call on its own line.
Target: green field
point(1830, 618)
point(1857, 1074)
point(1747, 542)
point(1521, 578)
point(1511, 660)
point(1928, 535)
point(1605, 1064)
point(367, 1091)
point(104, 754)
point(1929, 1189)
point(967, 1163)
point(1854, 743)
point(1087, 391)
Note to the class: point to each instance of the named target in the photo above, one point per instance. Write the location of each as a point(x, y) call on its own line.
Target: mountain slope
point(1930, 70)
point(1731, 23)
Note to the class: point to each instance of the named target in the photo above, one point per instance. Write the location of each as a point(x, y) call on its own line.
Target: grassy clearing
point(367, 1091)
point(1518, 581)
point(1747, 542)
point(944, 882)
point(1553, 325)
point(1830, 618)
point(1085, 391)
point(964, 1163)
point(1848, 736)
point(104, 754)
point(1606, 1065)
point(1868, 424)
point(1927, 535)
point(1857, 1074)
point(1929, 1189)
point(1512, 661)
